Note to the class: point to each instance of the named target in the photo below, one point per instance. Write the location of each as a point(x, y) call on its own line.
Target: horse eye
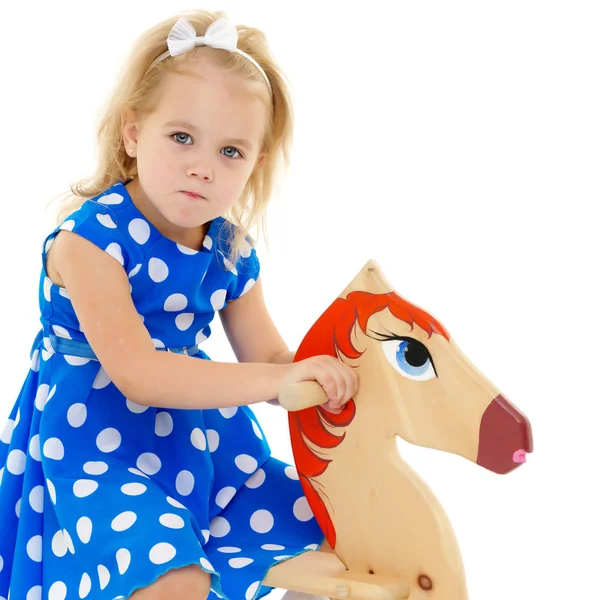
point(410, 358)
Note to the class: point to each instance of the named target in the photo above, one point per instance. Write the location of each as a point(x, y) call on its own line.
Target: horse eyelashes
point(418, 351)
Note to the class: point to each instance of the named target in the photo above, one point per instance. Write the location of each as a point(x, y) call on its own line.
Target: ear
point(260, 160)
point(130, 130)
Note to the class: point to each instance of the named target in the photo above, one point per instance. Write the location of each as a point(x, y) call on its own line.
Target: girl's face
point(204, 137)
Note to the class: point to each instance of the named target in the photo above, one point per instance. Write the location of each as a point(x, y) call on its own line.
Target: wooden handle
point(297, 396)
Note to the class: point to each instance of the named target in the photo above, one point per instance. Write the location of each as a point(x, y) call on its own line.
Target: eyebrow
point(186, 125)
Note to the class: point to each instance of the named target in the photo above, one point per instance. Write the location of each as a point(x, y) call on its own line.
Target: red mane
point(330, 334)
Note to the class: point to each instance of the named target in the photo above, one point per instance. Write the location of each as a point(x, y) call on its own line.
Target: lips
point(193, 195)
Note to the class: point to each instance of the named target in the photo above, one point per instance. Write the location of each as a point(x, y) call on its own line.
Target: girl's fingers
point(338, 380)
point(330, 378)
point(350, 382)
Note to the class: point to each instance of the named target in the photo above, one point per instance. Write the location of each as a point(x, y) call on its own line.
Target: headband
point(220, 34)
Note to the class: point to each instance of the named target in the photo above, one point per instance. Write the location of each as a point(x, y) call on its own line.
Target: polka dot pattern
point(54, 449)
point(83, 488)
point(149, 463)
point(184, 321)
point(6, 434)
point(103, 576)
point(158, 270)
point(302, 510)
point(198, 439)
point(135, 270)
point(84, 529)
point(85, 586)
point(15, 463)
point(171, 521)
point(77, 414)
point(59, 545)
point(175, 303)
point(139, 230)
point(105, 490)
point(185, 483)
point(133, 489)
point(186, 250)
point(217, 299)
point(57, 591)
point(164, 424)
point(162, 553)
point(256, 479)
point(124, 521)
point(101, 380)
point(106, 220)
point(262, 521)
point(123, 557)
point(35, 593)
point(116, 252)
point(34, 548)
point(246, 463)
point(228, 264)
point(225, 496)
point(108, 440)
point(36, 498)
point(95, 467)
point(111, 198)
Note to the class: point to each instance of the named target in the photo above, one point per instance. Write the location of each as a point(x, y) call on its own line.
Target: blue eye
point(231, 148)
point(183, 134)
point(186, 136)
point(410, 358)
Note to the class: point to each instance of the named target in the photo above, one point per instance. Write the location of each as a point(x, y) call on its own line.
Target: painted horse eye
point(410, 358)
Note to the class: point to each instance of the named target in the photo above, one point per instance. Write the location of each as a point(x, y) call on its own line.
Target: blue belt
point(84, 350)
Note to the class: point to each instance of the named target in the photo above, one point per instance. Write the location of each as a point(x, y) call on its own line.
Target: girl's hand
point(338, 380)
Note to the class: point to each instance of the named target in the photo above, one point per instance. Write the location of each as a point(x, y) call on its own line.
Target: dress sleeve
point(96, 223)
point(248, 270)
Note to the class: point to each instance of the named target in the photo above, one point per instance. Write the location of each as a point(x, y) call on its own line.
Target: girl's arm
point(251, 331)
point(99, 290)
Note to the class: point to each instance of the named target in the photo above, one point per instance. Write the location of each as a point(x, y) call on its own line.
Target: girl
point(131, 465)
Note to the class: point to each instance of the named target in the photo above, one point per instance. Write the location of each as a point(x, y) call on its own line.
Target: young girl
point(131, 465)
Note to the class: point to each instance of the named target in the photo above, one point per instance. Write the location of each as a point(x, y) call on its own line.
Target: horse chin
point(505, 437)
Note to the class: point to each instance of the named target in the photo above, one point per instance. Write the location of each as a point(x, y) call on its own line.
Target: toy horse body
point(389, 536)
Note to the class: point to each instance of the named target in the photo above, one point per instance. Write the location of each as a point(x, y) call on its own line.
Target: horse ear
point(369, 279)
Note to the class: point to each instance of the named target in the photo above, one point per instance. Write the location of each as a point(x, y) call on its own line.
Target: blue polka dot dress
point(99, 496)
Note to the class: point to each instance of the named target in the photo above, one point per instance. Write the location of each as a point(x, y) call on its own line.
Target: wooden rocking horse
point(388, 538)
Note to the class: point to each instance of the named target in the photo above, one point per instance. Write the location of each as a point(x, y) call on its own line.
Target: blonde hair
point(136, 89)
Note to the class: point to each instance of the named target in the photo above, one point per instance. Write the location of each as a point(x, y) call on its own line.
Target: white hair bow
point(221, 34)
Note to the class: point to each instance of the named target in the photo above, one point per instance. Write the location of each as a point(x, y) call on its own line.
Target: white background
point(456, 143)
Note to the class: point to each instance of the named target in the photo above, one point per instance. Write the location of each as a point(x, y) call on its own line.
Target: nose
point(201, 166)
point(504, 437)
